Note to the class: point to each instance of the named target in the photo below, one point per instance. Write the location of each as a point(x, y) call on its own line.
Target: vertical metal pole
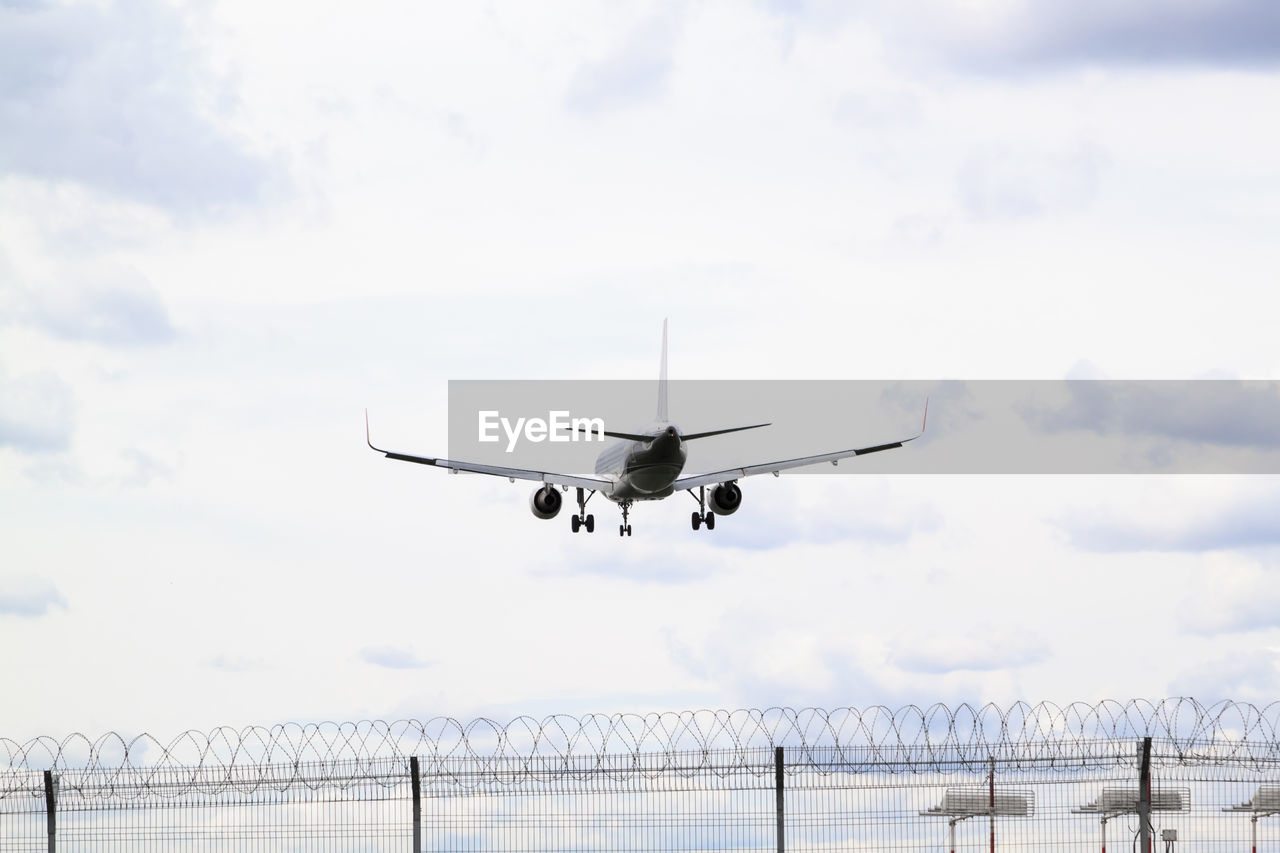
point(1254, 820)
point(991, 790)
point(1144, 797)
point(417, 803)
point(1104, 835)
point(952, 823)
point(781, 801)
point(50, 810)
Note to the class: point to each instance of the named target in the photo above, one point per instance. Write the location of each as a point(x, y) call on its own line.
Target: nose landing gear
point(582, 520)
point(624, 529)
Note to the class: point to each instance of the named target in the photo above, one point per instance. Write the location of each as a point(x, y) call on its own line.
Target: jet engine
point(546, 502)
point(726, 498)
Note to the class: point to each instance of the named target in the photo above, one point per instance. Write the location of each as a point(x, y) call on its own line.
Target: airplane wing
point(783, 464)
point(454, 465)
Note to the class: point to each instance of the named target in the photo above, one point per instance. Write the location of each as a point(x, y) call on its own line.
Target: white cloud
point(1234, 32)
point(37, 412)
point(144, 468)
point(1203, 411)
point(24, 595)
point(392, 657)
point(1243, 596)
point(821, 513)
point(639, 563)
point(1245, 520)
point(999, 184)
point(940, 650)
point(1247, 675)
point(121, 98)
point(634, 71)
point(231, 663)
point(1019, 36)
point(115, 308)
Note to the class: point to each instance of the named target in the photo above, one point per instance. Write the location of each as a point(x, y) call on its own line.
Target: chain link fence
point(1024, 777)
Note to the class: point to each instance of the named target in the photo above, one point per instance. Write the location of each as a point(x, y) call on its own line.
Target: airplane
point(644, 467)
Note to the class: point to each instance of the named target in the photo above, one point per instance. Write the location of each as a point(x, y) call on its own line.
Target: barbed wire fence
point(1042, 777)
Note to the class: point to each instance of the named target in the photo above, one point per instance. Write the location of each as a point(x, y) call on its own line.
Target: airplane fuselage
point(643, 470)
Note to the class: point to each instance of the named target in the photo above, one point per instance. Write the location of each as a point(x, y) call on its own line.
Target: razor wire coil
point(483, 753)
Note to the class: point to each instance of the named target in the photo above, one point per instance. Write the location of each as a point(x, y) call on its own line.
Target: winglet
point(924, 422)
point(367, 439)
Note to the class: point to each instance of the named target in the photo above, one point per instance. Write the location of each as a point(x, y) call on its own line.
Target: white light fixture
point(1116, 801)
point(1265, 801)
point(962, 803)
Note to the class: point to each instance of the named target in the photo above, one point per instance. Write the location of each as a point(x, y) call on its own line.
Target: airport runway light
point(1118, 801)
point(962, 803)
point(1265, 801)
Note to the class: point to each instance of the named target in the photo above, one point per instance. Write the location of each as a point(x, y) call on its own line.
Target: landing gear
point(624, 529)
point(701, 516)
point(582, 520)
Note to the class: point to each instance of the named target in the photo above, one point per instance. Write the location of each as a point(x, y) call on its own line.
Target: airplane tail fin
point(662, 416)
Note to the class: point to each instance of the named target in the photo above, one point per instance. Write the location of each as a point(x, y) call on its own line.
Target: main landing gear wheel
point(701, 516)
point(582, 520)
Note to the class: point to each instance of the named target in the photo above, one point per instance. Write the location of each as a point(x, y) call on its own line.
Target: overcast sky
point(227, 228)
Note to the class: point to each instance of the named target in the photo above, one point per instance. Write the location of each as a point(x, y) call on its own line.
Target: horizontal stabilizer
point(629, 436)
point(632, 436)
point(692, 436)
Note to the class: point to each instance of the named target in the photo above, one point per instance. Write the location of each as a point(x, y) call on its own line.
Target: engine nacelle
point(726, 498)
point(546, 502)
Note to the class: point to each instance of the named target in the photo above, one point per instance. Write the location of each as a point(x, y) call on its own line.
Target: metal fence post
point(51, 810)
point(778, 777)
point(417, 803)
point(991, 802)
point(1144, 797)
